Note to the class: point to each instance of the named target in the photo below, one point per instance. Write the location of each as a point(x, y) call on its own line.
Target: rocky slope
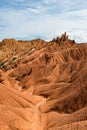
point(43, 85)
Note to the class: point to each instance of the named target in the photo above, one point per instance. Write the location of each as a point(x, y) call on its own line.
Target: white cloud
point(50, 1)
point(46, 1)
point(34, 10)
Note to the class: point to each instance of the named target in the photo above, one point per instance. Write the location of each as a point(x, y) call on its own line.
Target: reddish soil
point(43, 85)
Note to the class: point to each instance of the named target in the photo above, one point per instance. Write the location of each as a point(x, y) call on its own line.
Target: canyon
point(43, 84)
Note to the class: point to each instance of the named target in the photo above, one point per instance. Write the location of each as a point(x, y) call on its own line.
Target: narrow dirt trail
point(36, 123)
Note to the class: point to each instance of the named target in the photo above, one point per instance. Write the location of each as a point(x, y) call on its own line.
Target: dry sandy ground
point(44, 90)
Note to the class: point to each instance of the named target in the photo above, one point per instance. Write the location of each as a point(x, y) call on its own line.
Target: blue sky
point(30, 19)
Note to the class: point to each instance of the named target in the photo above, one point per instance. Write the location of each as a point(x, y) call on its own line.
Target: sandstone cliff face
point(43, 85)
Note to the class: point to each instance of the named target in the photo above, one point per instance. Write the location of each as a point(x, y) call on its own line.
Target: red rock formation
point(43, 85)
